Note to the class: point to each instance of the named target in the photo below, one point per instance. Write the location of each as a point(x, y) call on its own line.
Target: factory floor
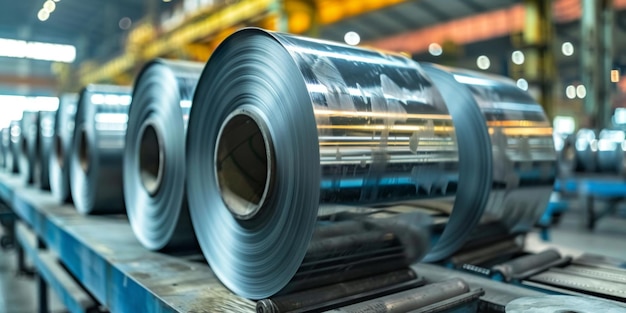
point(18, 292)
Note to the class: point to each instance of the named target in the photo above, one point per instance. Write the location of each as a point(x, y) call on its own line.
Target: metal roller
point(562, 304)
point(289, 136)
point(96, 161)
point(154, 157)
point(523, 167)
point(28, 146)
point(586, 150)
point(45, 137)
point(611, 150)
point(15, 140)
point(62, 148)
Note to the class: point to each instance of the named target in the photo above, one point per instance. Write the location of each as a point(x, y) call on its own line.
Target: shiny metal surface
point(96, 161)
point(4, 146)
point(524, 161)
point(586, 145)
point(611, 151)
point(289, 134)
point(15, 139)
point(45, 137)
point(28, 147)
point(564, 145)
point(154, 157)
point(61, 149)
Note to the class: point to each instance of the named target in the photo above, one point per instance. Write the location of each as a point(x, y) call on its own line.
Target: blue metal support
point(103, 255)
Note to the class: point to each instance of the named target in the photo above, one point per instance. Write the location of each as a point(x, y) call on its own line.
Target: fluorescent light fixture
point(37, 50)
point(14, 106)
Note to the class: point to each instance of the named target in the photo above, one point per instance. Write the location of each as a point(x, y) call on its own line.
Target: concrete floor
point(18, 293)
point(607, 239)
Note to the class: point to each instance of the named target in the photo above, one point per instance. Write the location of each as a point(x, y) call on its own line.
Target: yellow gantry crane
point(199, 33)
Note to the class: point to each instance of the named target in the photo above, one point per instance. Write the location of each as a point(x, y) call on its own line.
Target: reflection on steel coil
point(62, 145)
point(15, 139)
point(4, 146)
point(28, 146)
point(586, 145)
point(154, 157)
point(522, 149)
point(297, 147)
point(96, 161)
point(611, 150)
point(45, 136)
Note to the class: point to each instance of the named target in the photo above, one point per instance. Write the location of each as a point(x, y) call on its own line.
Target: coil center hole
point(151, 159)
point(24, 146)
point(58, 150)
point(243, 165)
point(83, 151)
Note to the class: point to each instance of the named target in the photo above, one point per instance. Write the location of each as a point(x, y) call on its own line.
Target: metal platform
point(610, 190)
point(102, 254)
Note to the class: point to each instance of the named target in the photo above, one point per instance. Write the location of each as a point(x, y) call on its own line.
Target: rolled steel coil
point(46, 137)
point(154, 157)
point(4, 146)
point(289, 138)
point(524, 161)
point(28, 150)
point(99, 139)
point(564, 145)
point(15, 140)
point(586, 145)
point(62, 148)
point(611, 150)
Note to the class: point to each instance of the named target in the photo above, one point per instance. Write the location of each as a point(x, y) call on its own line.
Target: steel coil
point(28, 146)
point(289, 136)
point(15, 140)
point(611, 150)
point(62, 147)
point(99, 138)
point(564, 145)
point(4, 146)
point(523, 167)
point(45, 138)
point(586, 150)
point(154, 157)
point(563, 304)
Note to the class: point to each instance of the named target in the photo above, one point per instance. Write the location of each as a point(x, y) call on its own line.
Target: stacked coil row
point(292, 160)
point(591, 151)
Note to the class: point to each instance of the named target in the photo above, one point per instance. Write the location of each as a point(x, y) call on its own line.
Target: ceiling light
point(125, 23)
point(352, 38)
point(570, 92)
point(435, 49)
point(581, 91)
point(483, 62)
point(56, 0)
point(42, 15)
point(167, 0)
point(37, 50)
point(567, 48)
point(49, 6)
point(517, 57)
